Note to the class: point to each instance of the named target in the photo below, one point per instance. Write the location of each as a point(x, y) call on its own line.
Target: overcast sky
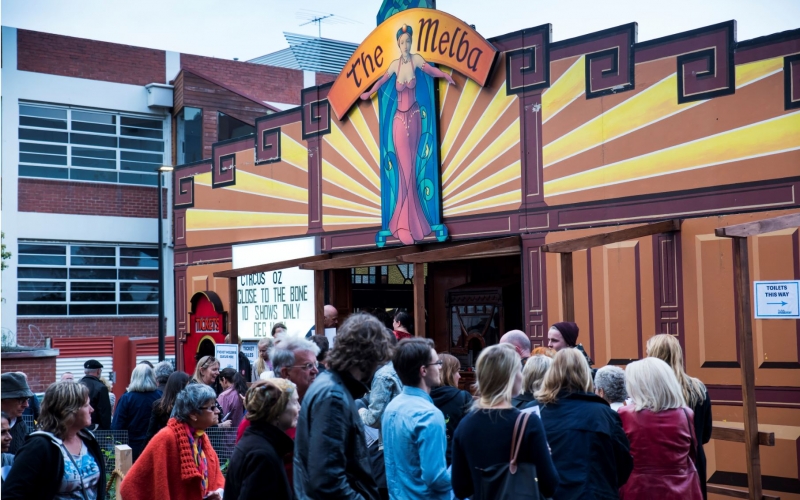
point(251, 28)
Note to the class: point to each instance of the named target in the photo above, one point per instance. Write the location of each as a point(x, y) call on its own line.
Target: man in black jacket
point(331, 458)
point(98, 395)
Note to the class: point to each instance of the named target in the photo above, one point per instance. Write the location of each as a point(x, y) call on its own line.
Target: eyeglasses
point(213, 408)
point(440, 363)
point(307, 367)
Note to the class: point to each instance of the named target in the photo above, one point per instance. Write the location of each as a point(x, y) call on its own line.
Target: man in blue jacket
point(414, 432)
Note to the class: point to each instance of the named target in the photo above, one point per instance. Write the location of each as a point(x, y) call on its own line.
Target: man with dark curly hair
point(331, 458)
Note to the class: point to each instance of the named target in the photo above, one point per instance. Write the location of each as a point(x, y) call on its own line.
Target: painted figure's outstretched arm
point(366, 95)
point(436, 73)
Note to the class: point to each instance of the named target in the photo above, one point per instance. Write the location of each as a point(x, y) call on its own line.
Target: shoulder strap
point(516, 439)
point(77, 469)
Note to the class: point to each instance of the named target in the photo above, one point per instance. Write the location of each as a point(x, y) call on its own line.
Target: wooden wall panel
point(622, 303)
point(716, 323)
point(614, 295)
point(582, 281)
point(775, 257)
point(534, 299)
point(710, 329)
point(668, 314)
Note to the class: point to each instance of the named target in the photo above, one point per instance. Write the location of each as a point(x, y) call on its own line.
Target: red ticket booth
point(207, 321)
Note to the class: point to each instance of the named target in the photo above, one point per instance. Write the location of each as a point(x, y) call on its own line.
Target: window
point(85, 279)
point(398, 274)
point(229, 127)
point(190, 135)
point(65, 143)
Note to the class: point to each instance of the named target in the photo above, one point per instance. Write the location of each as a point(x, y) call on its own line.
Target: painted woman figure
point(408, 222)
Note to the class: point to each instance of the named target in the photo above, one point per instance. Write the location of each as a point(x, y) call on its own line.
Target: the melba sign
point(437, 37)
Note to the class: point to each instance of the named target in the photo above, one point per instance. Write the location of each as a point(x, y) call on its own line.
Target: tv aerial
point(316, 17)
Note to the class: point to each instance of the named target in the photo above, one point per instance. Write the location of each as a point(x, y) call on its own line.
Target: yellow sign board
point(435, 36)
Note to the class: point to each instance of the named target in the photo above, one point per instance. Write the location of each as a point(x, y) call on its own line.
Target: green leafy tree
point(3, 252)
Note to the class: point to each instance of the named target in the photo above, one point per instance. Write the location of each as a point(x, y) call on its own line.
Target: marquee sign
point(435, 36)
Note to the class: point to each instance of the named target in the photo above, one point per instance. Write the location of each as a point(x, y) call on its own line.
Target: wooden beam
point(319, 302)
point(760, 226)
point(464, 250)
point(744, 325)
point(601, 239)
point(265, 268)
point(419, 299)
point(233, 311)
point(730, 492)
point(567, 290)
point(123, 461)
point(737, 436)
point(379, 257)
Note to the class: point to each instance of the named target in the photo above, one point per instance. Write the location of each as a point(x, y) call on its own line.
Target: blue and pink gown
point(408, 223)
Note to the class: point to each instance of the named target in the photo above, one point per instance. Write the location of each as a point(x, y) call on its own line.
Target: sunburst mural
point(645, 142)
point(267, 201)
point(480, 146)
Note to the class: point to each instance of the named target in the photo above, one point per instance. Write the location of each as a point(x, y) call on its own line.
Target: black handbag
point(511, 480)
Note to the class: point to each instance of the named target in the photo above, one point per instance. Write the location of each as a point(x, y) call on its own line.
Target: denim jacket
point(386, 386)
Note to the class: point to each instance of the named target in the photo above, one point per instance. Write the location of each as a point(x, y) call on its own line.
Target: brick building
point(85, 126)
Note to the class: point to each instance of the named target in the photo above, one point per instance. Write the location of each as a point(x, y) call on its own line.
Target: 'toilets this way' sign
point(777, 299)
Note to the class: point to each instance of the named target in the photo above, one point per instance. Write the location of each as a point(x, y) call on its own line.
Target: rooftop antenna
point(318, 20)
point(316, 17)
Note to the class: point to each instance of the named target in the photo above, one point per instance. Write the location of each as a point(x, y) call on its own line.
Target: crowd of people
point(379, 415)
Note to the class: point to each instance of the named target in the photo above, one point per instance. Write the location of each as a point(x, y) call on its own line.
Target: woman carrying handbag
point(511, 456)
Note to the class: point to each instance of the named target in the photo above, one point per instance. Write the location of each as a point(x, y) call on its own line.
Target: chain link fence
point(223, 440)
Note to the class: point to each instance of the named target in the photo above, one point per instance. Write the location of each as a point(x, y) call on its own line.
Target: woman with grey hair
point(135, 406)
point(162, 371)
point(179, 462)
point(609, 384)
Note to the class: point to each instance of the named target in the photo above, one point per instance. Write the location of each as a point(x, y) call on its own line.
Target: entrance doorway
point(383, 290)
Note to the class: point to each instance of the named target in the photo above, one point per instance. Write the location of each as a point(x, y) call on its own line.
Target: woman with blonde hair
point(258, 460)
point(62, 459)
point(494, 419)
point(589, 446)
point(206, 373)
point(263, 363)
point(135, 408)
point(453, 402)
point(667, 348)
point(661, 433)
point(532, 378)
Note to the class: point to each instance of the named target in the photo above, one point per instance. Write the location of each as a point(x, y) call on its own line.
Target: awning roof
point(407, 254)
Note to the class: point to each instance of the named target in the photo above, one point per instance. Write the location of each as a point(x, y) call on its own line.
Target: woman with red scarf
point(179, 462)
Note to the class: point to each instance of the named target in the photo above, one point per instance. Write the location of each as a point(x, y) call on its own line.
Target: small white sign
point(228, 356)
point(330, 334)
point(777, 299)
point(250, 349)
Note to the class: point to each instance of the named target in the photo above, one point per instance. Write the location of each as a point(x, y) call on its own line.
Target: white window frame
point(69, 281)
